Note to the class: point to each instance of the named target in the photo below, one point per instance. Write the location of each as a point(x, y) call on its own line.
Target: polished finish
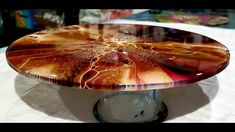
point(117, 57)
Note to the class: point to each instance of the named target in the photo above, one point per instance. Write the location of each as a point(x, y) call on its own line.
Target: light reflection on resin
point(117, 57)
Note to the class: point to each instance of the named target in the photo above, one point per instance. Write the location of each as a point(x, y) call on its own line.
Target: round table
point(132, 62)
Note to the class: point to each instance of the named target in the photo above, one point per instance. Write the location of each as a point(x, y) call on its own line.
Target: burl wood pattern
point(117, 57)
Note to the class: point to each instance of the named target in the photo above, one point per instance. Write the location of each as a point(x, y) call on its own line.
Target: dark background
point(9, 32)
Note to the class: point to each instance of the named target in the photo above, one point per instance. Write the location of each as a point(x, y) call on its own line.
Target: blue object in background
point(149, 15)
point(25, 19)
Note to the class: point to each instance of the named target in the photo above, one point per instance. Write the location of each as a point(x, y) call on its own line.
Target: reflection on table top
point(117, 57)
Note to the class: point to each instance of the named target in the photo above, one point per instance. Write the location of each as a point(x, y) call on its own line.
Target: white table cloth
point(210, 100)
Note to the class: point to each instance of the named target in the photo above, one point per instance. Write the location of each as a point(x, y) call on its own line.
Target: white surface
point(136, 11)
point(210, 100)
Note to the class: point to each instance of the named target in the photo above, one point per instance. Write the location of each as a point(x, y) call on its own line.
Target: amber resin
point(117, 57)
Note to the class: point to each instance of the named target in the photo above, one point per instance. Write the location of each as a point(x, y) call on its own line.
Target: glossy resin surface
point(197, 19)
point(117, 57)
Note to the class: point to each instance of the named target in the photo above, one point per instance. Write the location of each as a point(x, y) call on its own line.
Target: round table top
point(121, 57)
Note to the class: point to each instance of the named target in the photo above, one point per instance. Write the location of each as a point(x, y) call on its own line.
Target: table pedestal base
point(131, 107)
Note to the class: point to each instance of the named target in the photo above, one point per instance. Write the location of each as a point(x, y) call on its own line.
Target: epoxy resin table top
point(117, 57)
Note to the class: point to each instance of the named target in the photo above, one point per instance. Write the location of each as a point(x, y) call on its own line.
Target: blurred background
point(17, 23)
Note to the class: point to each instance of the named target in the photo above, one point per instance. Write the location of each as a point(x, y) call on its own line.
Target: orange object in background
point(19, 19)
point(120, 13)
point(110, 14)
